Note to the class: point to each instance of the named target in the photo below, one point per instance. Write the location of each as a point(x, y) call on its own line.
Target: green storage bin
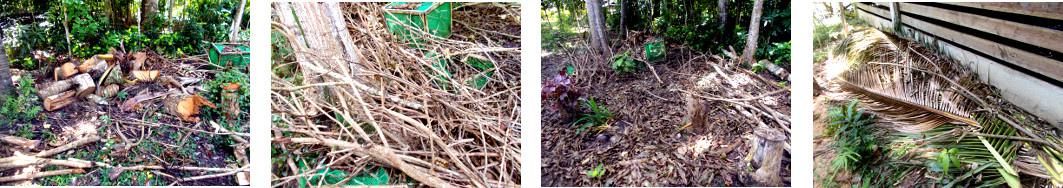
point(655, 50)
point(237, 59)
point(432, 17)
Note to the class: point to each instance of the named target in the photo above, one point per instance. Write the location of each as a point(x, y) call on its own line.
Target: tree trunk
point(754, 29)
point(623, 18)
point(597, 26)
point(148, 9)
point(6, 87)
point(237, 19)
point(841, 15)
point(725, 21)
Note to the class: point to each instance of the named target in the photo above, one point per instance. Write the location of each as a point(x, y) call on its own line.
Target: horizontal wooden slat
point(1037, 63)
point(872, 19)
point(1039, 36)
point(1052, 10)
point(875, 10)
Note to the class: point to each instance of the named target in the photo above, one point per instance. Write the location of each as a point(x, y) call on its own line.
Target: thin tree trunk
point(841, 15)
point(597, 25)
point(754, 29)
point(237, 21)
point(66, 29)
point(6, 88)
point(623, 18)
point(148, 9)
point(721, 11)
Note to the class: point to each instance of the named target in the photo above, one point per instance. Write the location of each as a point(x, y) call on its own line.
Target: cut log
point(56, 88)
point(775, 70)
point(85, 85)
point(146, 76)
point(65, 71)
point(51, 103)
point(185, 106)
point(112, 76)
point(108, 91)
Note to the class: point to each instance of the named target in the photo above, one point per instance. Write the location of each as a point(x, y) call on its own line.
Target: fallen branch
point(18, 141)
point(77, 143)
point(40, 174)
point(378, 152)
point(242, 169)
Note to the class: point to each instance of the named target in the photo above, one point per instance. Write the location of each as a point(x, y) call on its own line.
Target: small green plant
point(23, 105)
point(216, 93)
point(597, 172)
point(624, 63)
point(856, 142)
point(598, 118)
point(122, 95)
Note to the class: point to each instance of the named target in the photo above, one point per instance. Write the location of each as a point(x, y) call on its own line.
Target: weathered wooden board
point(1034, 62)
point(1052, 10)
point(1035, 35)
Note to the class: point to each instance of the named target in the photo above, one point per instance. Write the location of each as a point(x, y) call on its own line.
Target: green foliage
point(824, 34)
point(778, 53)
point(624, 63)
point(856, 142)
point(597, 119)
point(597, 172)
point(215, 94)
point(24, 105)
point(92, 29)
point(332, 177)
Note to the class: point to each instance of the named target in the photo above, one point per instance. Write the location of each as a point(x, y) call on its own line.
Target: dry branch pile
point(366, 99)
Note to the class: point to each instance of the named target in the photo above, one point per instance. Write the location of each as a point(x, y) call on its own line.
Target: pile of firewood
point(101, 77)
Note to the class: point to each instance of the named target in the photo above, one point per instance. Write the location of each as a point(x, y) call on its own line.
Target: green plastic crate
point(655, 50)
point(431, 17)
point(238, 59)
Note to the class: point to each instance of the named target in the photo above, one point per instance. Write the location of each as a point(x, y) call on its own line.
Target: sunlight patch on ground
point(699, 145)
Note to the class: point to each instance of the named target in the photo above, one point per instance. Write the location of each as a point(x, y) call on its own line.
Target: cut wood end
point(68, 69)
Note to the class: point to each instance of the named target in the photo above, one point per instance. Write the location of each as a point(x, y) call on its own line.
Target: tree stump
point(185, 106)
point(768, 155)
point(85, 85)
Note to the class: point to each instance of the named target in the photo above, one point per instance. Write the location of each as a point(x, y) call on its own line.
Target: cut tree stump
point(146, 76)
point(232, 109)
point(769, 155)
point(185, 106)
point(51, 103)
point(85, 85)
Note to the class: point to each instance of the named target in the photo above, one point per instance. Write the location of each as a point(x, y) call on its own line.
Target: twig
point(91, 138)
point(384, 154)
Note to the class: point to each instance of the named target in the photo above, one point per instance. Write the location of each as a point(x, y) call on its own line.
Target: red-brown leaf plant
point(559, 88)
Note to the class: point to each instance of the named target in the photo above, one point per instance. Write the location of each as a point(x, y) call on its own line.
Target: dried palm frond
point(932, 102)
point(899, 86)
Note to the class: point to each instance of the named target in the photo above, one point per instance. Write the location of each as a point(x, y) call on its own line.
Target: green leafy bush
point(856, 142)
point(624, 63)
point(23, 106)
point(215, 94)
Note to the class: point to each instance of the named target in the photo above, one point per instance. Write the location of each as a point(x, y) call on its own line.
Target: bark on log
point(185, 106)
point(112, 76)
point(768, 155)
point(85, 85)
point(55, 88)
point(51, 103)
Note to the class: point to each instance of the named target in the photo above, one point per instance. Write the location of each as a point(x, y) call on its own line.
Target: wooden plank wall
point(1021, 70)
